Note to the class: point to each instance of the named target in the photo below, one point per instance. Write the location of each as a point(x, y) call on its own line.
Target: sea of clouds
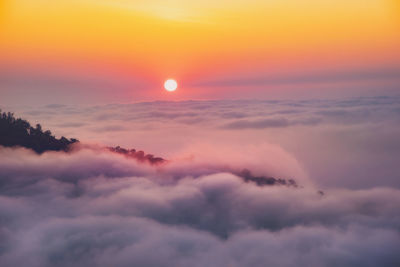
point(349, 142)
point(93, 207)
point(97, 208)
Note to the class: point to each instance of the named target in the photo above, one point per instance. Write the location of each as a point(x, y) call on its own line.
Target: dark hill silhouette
point(264, 180)
point(16, 132)
point(138, 155)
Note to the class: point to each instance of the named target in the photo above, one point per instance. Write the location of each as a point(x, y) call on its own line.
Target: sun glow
point(170, 85)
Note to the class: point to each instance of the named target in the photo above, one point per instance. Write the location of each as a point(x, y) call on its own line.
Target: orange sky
point(138, 44)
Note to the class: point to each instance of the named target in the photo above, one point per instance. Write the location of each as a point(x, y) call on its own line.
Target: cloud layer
point(349, 142)
point(97, 208)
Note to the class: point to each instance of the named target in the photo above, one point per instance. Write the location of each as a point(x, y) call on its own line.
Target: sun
point(170, 85)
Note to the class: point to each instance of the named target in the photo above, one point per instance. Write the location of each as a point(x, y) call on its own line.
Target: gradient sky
point(122, 50)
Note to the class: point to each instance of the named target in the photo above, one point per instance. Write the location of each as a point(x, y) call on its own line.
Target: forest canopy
point(16, 132)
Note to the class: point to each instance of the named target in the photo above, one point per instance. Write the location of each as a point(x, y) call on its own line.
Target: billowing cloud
point(98, 208)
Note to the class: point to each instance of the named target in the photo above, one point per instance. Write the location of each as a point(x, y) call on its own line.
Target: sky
point(123, 50)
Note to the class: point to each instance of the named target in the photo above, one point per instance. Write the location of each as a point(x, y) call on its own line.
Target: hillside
point(16, 132)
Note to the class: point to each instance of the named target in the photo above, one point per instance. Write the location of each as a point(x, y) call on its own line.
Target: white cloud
point(101, 209)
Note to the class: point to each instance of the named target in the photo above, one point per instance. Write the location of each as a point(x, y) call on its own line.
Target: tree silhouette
point(16, 132)
point(138, 155)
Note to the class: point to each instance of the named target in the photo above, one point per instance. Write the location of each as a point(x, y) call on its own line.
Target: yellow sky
point(198, 38)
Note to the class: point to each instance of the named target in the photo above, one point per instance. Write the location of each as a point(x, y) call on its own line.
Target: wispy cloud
point(384, 75)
